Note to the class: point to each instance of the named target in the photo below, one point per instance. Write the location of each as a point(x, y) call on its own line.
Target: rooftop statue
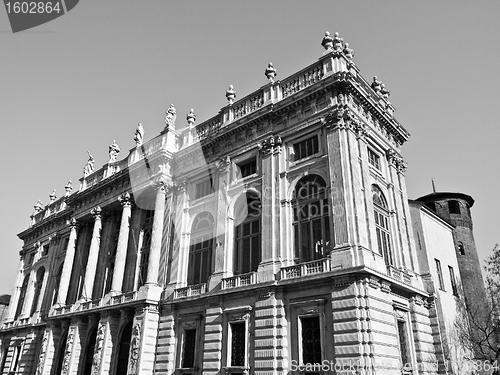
point(338, 42)
point(384, 92)
point(68, 188)
point(170, 116)
point(114, 150)
point(270, 72)
point(53, 196)
point(230, 94)
point(327, 41)
point(376, 84)
point(139, 135)
point(191, 117)
point(38, 206)
point(348, 52)
point(89, 167)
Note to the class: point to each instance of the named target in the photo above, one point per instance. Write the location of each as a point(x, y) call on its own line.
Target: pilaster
point(165, 349)
point(212, 344)
point(143, 343)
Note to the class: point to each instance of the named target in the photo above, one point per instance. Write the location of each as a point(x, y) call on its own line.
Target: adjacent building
point(271, 237)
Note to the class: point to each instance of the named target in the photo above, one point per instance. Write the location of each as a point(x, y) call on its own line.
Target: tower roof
point(446, 195)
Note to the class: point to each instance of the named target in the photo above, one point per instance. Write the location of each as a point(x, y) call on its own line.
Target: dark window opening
point(147, 229)
point(38, 288)
point(4, 359)
point(188, 348)
point(204, 187)
point(89, 353)
point(22, 295)
point(374, 159)
point(454, 207)
point(453, 281)
point(461, 248)
point(248, 168)
point(238, 344)
point(311, 340)
point(431, 206)
point(305, 148)
point(123, 350)
point(382, 227)
point(403, 344)
point(200, 250)
point(440, 274)
point(247, 234)
point(45, 250)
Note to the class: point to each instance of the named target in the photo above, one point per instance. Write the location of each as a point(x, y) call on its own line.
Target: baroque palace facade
point(272, 236)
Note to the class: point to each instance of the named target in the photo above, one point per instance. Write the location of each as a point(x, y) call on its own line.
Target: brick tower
point(455, 208)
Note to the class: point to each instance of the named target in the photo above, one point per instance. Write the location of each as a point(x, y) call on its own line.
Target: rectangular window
point(403, 344)
point(204, 188)
point(454, 207)
point(310, 332)
point(31, 259)
point(238, 343)
point(453, 281)
point(440, 274)
point(45, 250)
point(248, 168)
point(374, 159)
point(4, 359)
point(188, 348)
point(305, 148)
point(17, 354)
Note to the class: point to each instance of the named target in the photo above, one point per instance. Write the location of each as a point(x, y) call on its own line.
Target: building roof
point(436, 196)
point(4, 299)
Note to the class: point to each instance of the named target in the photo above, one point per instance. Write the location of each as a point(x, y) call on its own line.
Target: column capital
point(270, 146)
point(160, 185)
point(97, 213)
point(72, 223)
point(181, 185)
point(125, 199)
point(223, 164)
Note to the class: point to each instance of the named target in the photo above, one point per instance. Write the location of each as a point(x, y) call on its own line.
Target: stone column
point(88, 283)
point(156, 235)
point(15, 294)
point(121, 251)
point(62, 293)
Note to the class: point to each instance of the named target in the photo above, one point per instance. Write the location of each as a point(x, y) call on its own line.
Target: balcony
point(122, 298)
point(306, 269)
point(190, 291)
point(239, 280)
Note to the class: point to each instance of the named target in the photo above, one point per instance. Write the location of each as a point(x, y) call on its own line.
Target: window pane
point(311, 340)
point(238, 344)
point(188, 349)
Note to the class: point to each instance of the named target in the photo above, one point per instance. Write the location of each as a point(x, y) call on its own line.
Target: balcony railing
point(239, 280)
point(305, 269)
point(91, 304)
point(190, 291)
point(122, 298)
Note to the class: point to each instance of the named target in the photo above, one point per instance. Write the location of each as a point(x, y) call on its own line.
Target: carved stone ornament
point(38, 207)
point(327, 41)
point(139, 135)
point(52, 196)
point(348, 52)
point(114, 150)
point(376, 84)
point(125, 199)
point(396, 161)
point(134, 346)
point(338, 42)
point(230, 94)
point(68, 351)
point(272, 145)
point(41, 357)
point(68, 188)
point(270, 72)
point(181, 185)
point(223, 164)
point(89, 167)
point(170, 116)
point(191, 117)
point(96, 212)
point(96, 359)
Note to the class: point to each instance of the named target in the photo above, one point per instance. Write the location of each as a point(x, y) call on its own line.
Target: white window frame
point(237, 315)
point(292, 143)
point(401, 313)
point(189, 323)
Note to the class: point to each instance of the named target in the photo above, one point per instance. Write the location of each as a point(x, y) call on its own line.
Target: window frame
point(382, 221)
point(295, 143)
point(208, 185)
point(237, 315)
point(374, 159)
point(238, 167)
point(401, 316)
point(205, 234)
point(454, 286)
point(186, 323)
point(439, 272)
point(239, 265)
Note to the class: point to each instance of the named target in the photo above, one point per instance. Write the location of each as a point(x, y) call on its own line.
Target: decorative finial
point(89, 167)
point(376, 84)
point(230, 94)
point(191, 117)
point(270, 72)
point(38, 207)
point(348, 52)
point(337, 42)
point(114, 150)
point(52, 196)
point(170, 116)
point(433, 186)
point(327, 41)
point(68, 188)
point(139, 135)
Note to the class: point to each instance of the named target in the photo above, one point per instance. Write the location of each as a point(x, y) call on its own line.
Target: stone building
point(273, 236)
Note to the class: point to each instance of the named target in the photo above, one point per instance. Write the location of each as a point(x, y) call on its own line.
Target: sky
point(87, 78)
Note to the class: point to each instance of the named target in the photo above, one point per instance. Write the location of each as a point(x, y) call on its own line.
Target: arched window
point(22, 295)
point(89, 352)
point(123, 350)
point(382, 225)
point(38, 288)
point(311, 219)
point(200, 249)
point(57, 282)
point(247, 212)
